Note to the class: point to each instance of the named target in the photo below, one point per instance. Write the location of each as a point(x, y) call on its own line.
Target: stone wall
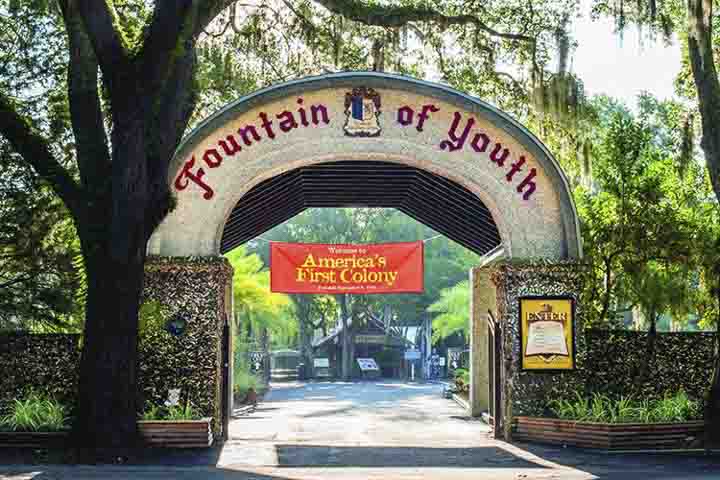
point(681, 361)
point(194, 289)
point(606, 361)
point(526, 392)
point(197, 290)
point(45, 363)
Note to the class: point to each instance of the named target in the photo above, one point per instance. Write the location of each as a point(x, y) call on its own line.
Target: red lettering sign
point(359, 269)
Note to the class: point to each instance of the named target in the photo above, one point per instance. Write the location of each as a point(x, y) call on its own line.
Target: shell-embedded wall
point(527, 392)
point(194, 289)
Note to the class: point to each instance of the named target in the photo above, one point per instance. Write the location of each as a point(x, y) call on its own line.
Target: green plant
point(676, 408)
point(243, 381)
point(36, 413)
point(600, 408)
point(462, 380)
point(173, 413)
point(578, 409)
point(179, 412)
point(153, 413)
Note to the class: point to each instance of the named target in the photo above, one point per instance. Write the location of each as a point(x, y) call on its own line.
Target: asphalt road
point(379, 430)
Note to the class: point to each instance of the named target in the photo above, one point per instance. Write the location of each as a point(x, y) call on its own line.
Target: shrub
point(600, 408)
point(176, 413)
point(243, 381)
point(36, 413)
point(462, 380)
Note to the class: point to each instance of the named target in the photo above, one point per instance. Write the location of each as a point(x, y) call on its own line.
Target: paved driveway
point(379, 430)
point(364, 413)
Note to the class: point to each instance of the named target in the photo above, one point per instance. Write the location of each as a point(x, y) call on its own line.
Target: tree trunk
point(648, 359)
point(265, 341)
point(107, 387)
point(351, 354)
point(114, 252)
point(306, 344)
point(302, 303)
point(712, 405)
point(346, 358)
point(702, 63)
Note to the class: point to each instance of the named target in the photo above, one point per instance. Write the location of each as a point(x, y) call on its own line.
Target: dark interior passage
point(433, 200)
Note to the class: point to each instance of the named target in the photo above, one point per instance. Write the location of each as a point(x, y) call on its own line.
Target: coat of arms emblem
point(362, 113)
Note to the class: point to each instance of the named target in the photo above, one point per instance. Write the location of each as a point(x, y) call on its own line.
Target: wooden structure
point(154, 433)
point(176, 434)
point(376, 339)
point(34, 439)
point(620, 436)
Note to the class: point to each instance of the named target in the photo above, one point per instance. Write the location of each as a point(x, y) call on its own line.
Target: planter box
point(623, 436)
point(33, 439)
point(176, 434)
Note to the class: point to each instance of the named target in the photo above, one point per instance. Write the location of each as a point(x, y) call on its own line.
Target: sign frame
point(522, 332)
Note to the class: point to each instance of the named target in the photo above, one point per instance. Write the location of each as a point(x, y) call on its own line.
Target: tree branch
point(109, 50)
point(175, 107)
point(702, 62)
point(170, 33)
point(93, 154)
point(34, 149)
point(171, 36)
point(398, 16)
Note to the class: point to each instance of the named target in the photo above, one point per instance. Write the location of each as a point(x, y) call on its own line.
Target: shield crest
point(362, 113)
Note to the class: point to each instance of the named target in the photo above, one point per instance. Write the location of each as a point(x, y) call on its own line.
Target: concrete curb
point(462, 402)
point(242, 411)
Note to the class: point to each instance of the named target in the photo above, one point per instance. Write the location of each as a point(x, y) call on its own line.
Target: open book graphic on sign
point(546, 333)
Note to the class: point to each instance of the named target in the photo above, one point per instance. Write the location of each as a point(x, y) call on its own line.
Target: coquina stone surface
point(528, 392)
point(303, 122)
point(195, 289)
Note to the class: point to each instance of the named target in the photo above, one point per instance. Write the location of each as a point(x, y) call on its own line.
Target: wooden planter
point(176, 434)
point(33, 439)
point(623, 436)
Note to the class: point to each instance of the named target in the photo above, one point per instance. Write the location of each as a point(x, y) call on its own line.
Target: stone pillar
point(529, 393)
point(194, 289)
point(482, 299)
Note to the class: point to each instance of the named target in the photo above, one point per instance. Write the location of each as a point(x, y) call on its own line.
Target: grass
point(174, 413)
point(35, 413)
point(602, 409)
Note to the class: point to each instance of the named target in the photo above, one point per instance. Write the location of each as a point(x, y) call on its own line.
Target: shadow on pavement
point(327, 413)
point(136, 474)
point(633, 466)
point(322, 456)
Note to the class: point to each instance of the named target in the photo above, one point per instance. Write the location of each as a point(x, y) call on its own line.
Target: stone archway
point(422, 125)
point(363, 117)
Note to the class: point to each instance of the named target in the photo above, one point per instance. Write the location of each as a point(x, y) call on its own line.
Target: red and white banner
point(359, 269)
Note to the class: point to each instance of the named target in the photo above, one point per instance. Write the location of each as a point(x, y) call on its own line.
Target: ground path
point(374, 430)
